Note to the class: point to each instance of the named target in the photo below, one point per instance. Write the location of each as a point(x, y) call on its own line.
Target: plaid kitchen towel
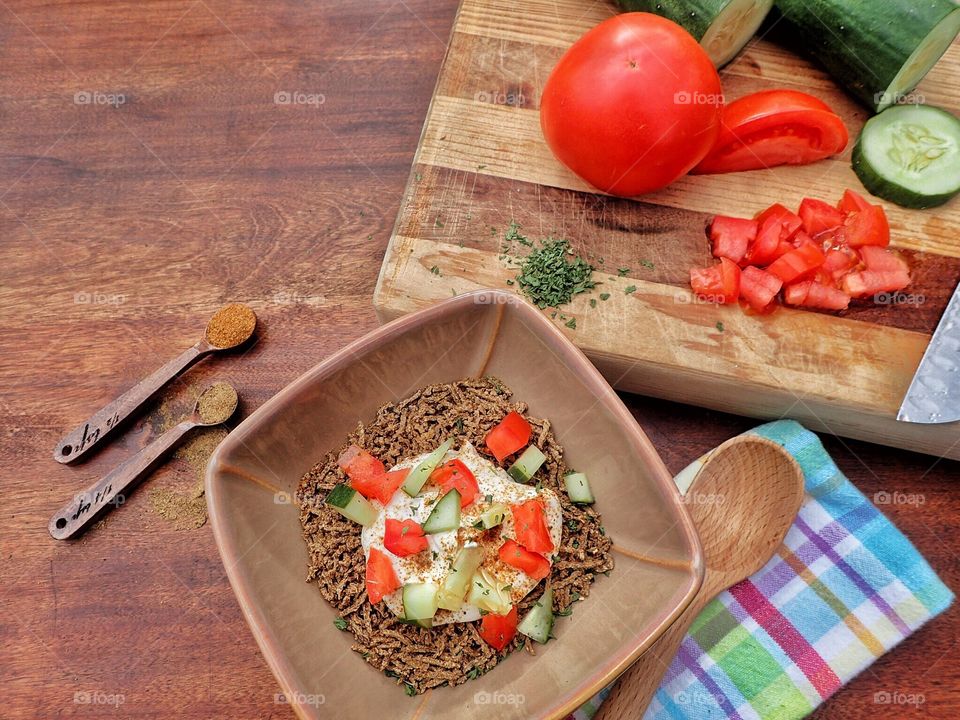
point(845, 587)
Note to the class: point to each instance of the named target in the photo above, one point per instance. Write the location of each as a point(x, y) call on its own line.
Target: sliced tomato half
point(774, 127)
point(533, 564)
point(455, 475)
point(498, 630)
point(719, 283)
point(381, 578)
point(530, 526)
point(732, 236)
point(511, 434)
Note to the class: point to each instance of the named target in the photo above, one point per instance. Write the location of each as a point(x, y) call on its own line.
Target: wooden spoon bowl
point(743, 501)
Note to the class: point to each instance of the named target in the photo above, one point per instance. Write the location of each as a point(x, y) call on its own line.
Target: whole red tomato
point(633, 105)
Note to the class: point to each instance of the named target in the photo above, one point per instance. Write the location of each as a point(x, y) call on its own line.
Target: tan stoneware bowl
point(253, 475)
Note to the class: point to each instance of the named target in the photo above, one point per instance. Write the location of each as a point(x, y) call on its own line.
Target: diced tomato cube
point(882, 259)
point(732, 236)
point(358, 463)
point(453, 474)
point(759, 287)
point(790, 222)
point(719, 283)
point(511, 434)
point(380, 577)
point(380, 487)
point(852, 202)
point(797, 263)
point(818, 216)
point(867, 227)
point(499, 630)
point(764, 248)
point(530, 526)
point(839, 262)
point(871, 282)
point(404, 537)
point(533, 564)
point(812, 294)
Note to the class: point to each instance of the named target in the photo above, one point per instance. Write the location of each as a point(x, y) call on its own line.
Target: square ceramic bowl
point(254, 473)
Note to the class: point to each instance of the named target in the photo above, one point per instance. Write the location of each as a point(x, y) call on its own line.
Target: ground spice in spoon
point(217, 403)
point(231, 325)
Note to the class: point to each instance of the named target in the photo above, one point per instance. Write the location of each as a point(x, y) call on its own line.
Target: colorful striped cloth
point(845, 587)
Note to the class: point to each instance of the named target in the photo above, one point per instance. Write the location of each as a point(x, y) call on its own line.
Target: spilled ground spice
point(217, 403)
point(231, 325)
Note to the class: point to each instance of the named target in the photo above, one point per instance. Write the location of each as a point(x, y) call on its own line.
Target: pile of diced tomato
point(819, 257)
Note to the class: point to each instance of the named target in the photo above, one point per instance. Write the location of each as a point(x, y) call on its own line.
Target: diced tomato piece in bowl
point(510, 434)
point(404, 537)
point(455, 475)
point(498, 630)
point(533, 564)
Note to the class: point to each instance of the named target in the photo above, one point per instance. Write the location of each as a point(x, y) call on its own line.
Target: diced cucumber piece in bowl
point(527, 464)
point(578, 488)
point(493, 515)
point(537, 624)
point(445, 514)
point(420, 601)
point(417, 477)
point(910, 155)
point(456, 583)
point(352, 505)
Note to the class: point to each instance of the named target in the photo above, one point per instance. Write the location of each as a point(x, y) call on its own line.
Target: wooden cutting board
point(482, 163)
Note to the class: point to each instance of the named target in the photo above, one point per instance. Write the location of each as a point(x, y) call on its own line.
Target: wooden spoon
point(231, 326)
point(215, 405)
point(743, 501)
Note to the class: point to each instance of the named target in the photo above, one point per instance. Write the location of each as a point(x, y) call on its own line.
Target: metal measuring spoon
point(214, 406)
point(236, 318)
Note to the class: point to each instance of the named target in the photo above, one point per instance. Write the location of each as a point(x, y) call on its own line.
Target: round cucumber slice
point(910, 155)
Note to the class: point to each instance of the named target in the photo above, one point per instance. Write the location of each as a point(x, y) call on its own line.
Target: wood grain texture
point(482, 151)
point(125, 227)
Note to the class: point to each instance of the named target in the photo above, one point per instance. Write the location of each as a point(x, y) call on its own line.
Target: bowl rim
point(270, 646)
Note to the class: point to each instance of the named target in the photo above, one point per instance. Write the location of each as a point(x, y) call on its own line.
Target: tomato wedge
point(852, 202)
point(357, 463)
point(404, 537)
point(867, 227)
point(380, 487)
point(812, 294)
point(381, 577)
point(791, 222)
point(533, 564)
point(454, 474)
point(511, 434)
point(881, 259)
point(530, 526)
point(774, 127)
point(719, 283)
point(818, 216)
point(797, 263)
point(732, 236)
point(759, 287)
point(499, 630)
point(871, 282)
point(765, 248)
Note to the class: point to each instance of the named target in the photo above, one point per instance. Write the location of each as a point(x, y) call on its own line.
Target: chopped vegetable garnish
point(511, 434)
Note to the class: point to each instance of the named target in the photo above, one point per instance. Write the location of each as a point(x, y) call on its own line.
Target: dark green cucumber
point(910, 155)
point(722, 27)
point(879, 51)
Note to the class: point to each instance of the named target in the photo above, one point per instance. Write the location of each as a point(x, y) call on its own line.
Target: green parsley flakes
point(550, 279)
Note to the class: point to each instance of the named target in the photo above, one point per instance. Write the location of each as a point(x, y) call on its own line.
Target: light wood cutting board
point(482, 163)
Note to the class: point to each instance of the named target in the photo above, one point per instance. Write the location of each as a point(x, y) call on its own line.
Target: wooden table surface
point(158, 159)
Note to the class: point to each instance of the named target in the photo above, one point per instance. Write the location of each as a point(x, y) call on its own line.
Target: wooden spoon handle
point(87, 435)
point(107, 491)
point(635, 689)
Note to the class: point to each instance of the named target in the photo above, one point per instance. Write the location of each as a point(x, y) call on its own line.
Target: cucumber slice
point(420, 601)
point(445, 514)
point(418, 476)
point(879, 51)
point(352, 505)
point(910, 155)
point(527, 464)
point(455, 585)
point(722, 27)
point(537, 624)
point(493, 515)
point(578, 488)
point(487, 593)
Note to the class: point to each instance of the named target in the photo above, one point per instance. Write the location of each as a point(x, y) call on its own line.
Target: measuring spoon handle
point(79, 441)
point(87, 504)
